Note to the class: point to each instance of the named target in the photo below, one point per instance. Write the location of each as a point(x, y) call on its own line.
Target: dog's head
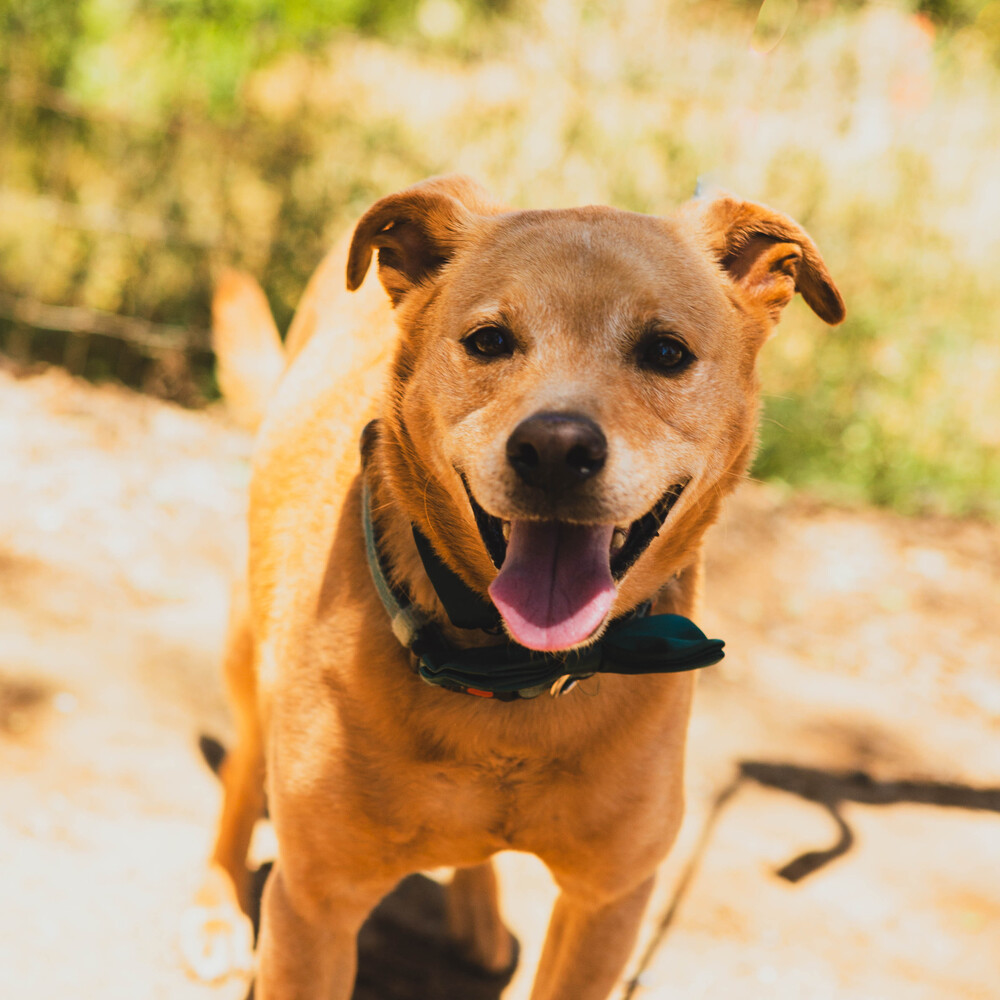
point(574, 390)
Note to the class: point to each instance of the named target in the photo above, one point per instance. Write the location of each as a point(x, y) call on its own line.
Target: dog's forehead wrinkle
point(530, 239)
point(584, 280)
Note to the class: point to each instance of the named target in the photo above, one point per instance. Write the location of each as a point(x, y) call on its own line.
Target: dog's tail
point(248, 350)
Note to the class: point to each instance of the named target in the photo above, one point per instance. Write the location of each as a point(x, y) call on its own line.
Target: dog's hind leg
point(217, 937)
point(242, 771)
point(474, 920)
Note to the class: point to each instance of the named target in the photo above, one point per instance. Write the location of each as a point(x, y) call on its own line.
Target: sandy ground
point(859, 706)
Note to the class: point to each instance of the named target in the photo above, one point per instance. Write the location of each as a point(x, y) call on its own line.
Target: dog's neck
point(405, 567)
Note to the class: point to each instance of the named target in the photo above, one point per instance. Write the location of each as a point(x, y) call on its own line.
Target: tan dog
point(555, 375)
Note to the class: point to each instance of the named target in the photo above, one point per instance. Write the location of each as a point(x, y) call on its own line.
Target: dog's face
point(575, 390)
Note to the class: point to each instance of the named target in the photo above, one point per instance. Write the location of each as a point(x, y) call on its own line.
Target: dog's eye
point(490, 342)
point(666, 354)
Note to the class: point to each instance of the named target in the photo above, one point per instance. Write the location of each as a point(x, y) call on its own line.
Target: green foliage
point(150, 55)
point(953, 13)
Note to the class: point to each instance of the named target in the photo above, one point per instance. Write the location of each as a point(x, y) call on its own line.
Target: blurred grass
point(142, 144)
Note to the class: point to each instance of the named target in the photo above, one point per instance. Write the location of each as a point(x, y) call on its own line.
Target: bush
point(145, 144)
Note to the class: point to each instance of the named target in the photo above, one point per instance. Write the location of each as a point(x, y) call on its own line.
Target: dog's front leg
point(308, 939)
point(588, 944)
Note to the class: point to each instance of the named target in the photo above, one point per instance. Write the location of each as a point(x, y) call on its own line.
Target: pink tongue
point(555, 585)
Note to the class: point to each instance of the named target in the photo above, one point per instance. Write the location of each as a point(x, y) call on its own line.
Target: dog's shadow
point(404, 949)
point(404, 952)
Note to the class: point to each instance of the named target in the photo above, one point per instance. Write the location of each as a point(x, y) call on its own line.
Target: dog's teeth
point(505, 528)
point(617, 539)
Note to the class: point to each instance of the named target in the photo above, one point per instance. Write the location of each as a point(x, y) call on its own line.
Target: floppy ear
point(416, 231)
point(769, 257)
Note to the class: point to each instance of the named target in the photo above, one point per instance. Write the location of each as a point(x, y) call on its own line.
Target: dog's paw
point(216, 936)
point(216, 942)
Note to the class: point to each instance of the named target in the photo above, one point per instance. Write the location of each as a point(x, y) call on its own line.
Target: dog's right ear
point(416, 231)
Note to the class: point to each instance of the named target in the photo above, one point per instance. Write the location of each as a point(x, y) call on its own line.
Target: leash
point(636, 643)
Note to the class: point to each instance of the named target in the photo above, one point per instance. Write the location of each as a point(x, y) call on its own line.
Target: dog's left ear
point(768, 256)
point(416, 231)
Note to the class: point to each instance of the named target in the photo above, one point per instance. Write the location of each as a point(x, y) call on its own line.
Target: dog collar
point(638, 643)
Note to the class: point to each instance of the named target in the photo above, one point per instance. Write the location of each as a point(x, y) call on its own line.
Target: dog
point(554, 405)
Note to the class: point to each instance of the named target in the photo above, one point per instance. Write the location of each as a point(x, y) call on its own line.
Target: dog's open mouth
point(557, 580)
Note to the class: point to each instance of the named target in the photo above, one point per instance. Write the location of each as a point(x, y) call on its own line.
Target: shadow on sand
point(832, 788)
point(829, 789)
point(405, 953)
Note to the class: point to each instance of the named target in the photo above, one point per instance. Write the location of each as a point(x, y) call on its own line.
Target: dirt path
point(863, 659)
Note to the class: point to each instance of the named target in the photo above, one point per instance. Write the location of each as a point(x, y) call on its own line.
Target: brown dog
point(570, 395)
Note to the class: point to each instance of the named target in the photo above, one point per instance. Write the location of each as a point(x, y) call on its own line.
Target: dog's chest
point(499, 802)
point(481, 803)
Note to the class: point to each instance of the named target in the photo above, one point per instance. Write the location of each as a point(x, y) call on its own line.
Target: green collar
point(638, 643)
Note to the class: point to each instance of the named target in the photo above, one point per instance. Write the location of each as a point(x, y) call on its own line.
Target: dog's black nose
point(555, 451)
